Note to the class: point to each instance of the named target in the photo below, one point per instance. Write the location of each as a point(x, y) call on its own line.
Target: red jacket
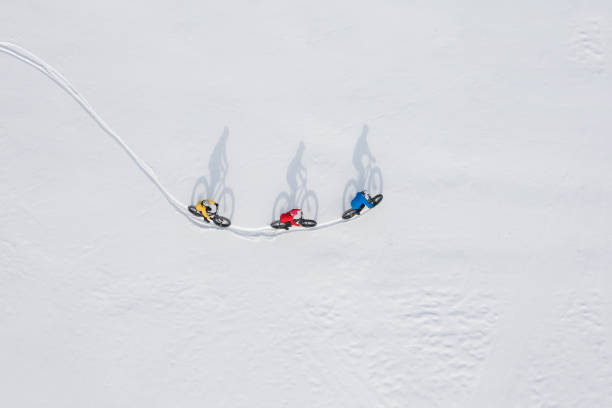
point(288, 217)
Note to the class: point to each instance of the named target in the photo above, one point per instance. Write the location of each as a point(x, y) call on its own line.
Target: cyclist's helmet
point(207, 205)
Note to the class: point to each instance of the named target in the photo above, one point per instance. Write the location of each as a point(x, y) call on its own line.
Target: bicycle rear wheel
point(350, 190)
point(307, 223)
point(376, 199)
point(221, 221)
point(194, 211)
point(279, 225)
point(348, 214)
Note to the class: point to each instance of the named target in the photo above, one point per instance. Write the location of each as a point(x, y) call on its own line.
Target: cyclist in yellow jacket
point(207, 208)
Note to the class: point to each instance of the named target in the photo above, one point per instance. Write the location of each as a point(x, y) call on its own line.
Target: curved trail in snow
point(25, 56)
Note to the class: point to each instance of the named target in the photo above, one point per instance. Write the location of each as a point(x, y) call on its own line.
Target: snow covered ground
point(482, 280)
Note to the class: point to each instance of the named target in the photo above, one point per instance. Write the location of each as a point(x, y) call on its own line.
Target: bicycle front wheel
point(376, 199)
point(307, 223)
point(221, 221)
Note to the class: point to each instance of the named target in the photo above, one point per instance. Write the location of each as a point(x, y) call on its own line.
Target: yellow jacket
point(203, 207)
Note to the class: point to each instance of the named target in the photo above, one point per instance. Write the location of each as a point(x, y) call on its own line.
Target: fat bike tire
point(279, 225)
point(194, 211)
point(221, 221)
point(348, 214)
point(307, 223)
point(376, 199)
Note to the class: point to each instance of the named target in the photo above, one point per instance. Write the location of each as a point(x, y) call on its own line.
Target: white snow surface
point(481, 280)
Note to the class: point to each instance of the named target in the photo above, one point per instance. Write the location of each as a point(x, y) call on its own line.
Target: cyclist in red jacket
point(289, 217)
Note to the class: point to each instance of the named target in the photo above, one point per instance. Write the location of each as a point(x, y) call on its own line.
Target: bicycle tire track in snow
point(29, 58)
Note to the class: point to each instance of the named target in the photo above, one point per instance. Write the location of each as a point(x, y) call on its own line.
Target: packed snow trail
point(24, 55)
point(31, 59)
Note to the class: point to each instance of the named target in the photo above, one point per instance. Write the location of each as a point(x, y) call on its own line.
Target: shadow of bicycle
point(298, 196)
point(213, 187)
point(369, 176)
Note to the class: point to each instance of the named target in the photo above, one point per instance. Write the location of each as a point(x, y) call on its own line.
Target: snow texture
point(481, 280)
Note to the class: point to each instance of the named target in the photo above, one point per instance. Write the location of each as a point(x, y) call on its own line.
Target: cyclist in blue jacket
point(361, 199)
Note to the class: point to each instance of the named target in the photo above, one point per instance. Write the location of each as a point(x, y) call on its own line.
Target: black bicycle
point(350, 213)
point(216, 218)
point(301, 221)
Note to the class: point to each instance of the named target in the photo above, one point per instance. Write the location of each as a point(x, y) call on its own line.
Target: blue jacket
point(359, 200)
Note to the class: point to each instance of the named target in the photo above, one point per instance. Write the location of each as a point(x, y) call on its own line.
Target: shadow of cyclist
point(214, 187)
point(298, 196)
point(296, 174)
point(369, 176)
